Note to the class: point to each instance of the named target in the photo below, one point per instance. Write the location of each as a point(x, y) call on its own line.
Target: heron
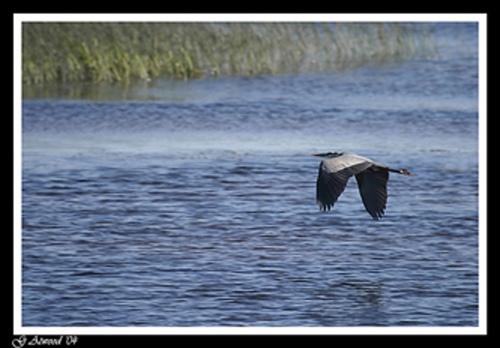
point(336, 169)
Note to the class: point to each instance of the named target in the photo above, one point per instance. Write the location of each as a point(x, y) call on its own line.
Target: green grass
point(110, 52)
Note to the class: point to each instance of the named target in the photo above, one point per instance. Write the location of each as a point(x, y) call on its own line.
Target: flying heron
point(372, 177)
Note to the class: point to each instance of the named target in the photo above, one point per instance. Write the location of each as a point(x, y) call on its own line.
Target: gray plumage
point(372, 177)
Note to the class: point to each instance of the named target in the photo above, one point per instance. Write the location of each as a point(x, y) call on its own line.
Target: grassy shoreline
point(121, 52)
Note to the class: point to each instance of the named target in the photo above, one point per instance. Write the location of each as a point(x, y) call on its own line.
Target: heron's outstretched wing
point(329, 187)
point(333, 176)
point(372, 185)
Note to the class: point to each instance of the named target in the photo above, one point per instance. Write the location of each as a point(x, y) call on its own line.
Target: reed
point(109, 52)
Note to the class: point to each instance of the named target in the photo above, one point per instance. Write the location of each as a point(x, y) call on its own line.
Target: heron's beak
point(319, 154)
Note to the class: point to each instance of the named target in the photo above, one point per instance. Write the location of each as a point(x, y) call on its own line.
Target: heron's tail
point(405, 172)
point(401, 171)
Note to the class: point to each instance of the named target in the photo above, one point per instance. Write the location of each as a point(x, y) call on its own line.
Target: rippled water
point(193, 203)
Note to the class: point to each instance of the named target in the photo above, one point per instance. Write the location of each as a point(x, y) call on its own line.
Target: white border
point(483, 141)
point(250, 17)
point(17, 254)
point(257, 330)
point(19, 18)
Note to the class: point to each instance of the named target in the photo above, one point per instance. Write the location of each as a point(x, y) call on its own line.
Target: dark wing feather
point(332, 181)
point(372, 185)
point(329, 187)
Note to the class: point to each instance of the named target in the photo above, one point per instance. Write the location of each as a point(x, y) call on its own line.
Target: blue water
point(192, 203)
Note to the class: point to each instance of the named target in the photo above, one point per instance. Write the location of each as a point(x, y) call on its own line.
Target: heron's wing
point(372, 185)
point(332, 179)
point(329, 187)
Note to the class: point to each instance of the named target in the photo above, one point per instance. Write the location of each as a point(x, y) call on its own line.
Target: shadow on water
point(350, 303)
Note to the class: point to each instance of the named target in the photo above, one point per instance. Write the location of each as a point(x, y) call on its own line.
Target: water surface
point(192, 203)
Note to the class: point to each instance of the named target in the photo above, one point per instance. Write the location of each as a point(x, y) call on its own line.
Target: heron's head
point(328, 154)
